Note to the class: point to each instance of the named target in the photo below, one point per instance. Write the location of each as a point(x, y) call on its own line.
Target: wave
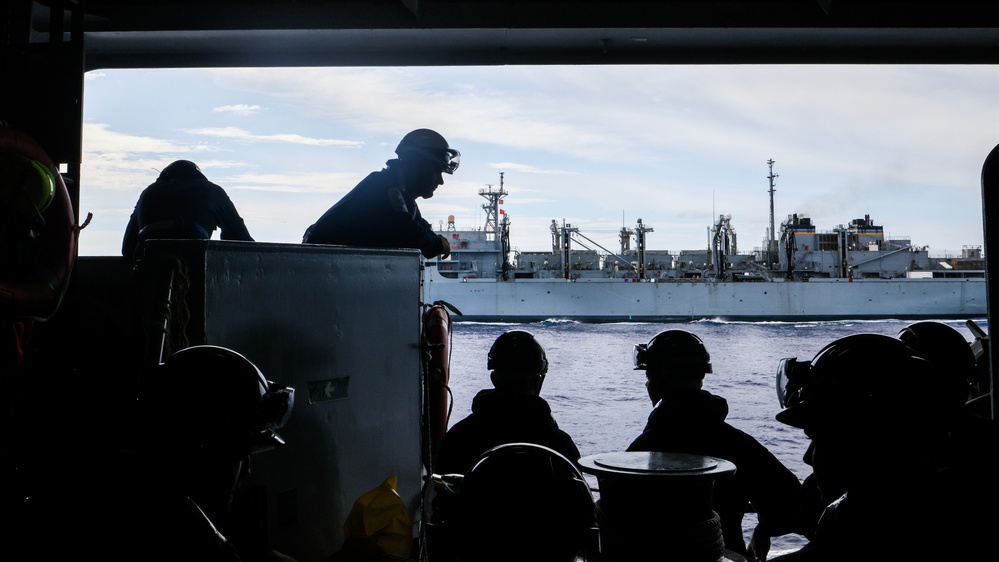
point(557, 322)
point(491, 323)
point(719, 320)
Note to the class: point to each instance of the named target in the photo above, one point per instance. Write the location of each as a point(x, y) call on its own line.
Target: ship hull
point(615, 300)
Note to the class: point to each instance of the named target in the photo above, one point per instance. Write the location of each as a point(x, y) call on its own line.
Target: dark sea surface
point(598, 399)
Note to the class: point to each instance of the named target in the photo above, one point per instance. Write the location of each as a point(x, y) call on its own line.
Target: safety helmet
point(26, 185)
point(219, 399)
point(858, 377)
point(678, 349)
point(522, 501)
point(517, 351)
point(945, 348)
point(429, 145)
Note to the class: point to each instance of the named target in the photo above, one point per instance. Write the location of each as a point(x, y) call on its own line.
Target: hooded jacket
point(499, 417)
point(693, 422)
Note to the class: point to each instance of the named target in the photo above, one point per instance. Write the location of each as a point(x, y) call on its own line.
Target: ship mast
point(772, 243)
point(640, 231)
point(494, 227)
point(491, 207)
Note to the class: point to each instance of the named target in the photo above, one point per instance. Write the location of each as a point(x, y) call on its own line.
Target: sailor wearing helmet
point(895, 482)
point(167, 494)
point(688, 419)
point(381, 211)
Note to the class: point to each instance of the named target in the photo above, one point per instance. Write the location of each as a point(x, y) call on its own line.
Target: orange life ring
point(437, 334)
point(36, 293)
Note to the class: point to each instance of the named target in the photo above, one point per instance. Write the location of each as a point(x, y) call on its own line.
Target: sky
point(598, 147)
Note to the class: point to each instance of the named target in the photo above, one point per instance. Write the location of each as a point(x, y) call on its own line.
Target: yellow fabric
point(380, 514)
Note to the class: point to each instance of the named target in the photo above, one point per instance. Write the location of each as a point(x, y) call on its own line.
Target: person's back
point(182, 204)
point(499, 417)
point(524, 502)
point(512, 412)
point(694, 423)
point(687, 419)
point(376, 213)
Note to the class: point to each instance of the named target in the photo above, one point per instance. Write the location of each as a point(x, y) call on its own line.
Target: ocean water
point(598, 399)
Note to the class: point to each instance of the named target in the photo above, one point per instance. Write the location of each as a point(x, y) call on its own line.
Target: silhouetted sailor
point(524, 502)
point(896, 483)
point(687, 419)
point(182, 204)
point(381, 211)
point(202, 414)
point(512, 412)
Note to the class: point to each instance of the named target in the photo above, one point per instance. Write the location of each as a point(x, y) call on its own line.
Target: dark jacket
point(377, 213)
point(130, 508)
point(693, 422)
point(929, 495)
point(500, 417)
point(184, 208)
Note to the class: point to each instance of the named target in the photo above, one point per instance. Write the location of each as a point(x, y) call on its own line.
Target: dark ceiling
point(164, 33)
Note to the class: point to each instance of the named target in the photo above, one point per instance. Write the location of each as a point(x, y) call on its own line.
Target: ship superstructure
point(793, 260)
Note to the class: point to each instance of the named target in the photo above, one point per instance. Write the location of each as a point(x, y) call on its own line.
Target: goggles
point(640, 356)
point(274, 410)
point(792, 377)
point(256, 435)
point(276, 405)
point(449, 160)
point(643, 359)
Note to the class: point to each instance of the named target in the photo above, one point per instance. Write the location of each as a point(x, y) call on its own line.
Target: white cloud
point(240, 109)
point(309, 182)
point(600, 144)
point(99, 138)
point(235, 133)
point(526, 169)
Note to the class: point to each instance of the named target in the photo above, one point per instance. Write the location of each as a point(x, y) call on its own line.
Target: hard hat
point(673, 349)
point(939, 343)
point(517, 351)
point(26, 185)
point(219, 399)
point(951, 355)
point(858, 377)
point(429, 145)
point(522, 501)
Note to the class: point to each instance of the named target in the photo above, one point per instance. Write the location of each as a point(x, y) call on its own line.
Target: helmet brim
point(801, 416)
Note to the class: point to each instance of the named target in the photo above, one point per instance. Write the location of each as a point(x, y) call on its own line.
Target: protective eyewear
point(276, 405)
point(640, 356)
point(792, 376)
point(449, 161)
point(645, 360)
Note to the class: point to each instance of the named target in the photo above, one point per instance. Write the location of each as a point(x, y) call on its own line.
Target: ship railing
point(880, 256)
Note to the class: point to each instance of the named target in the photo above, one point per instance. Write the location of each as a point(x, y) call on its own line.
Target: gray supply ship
point(851, 272)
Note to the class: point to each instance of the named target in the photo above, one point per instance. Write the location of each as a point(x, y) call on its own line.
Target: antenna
point(491, 207)
point(773, 241)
